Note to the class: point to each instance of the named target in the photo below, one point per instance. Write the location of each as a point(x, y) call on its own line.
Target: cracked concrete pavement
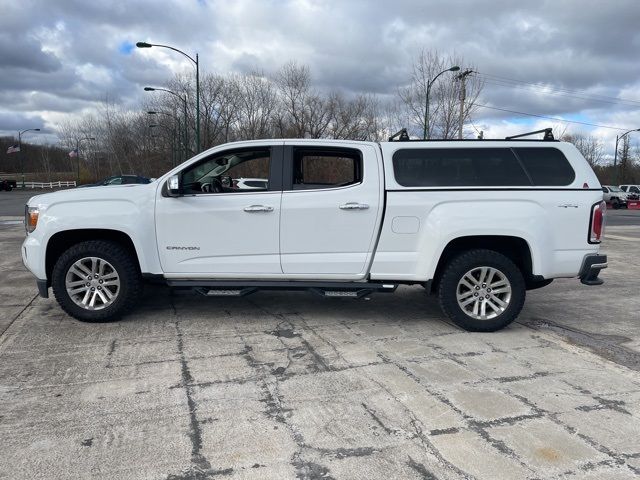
point(290, 385)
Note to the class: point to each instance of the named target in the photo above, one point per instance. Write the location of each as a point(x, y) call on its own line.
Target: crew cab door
point(217, 228)
point(331, 209)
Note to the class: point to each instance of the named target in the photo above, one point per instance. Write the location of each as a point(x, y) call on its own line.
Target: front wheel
point(482, 290)
point(96, 281)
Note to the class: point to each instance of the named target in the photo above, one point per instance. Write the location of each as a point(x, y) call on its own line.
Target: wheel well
point(515, 248)
point(61, 241)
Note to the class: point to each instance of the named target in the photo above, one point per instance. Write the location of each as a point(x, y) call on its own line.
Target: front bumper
point(591, 266)
point(33, 259)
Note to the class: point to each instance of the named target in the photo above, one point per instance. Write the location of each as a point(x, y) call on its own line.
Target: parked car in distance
point(7, 185)
point(478, 223)
point(119, 180)
point(632, 191)
point(615, 196)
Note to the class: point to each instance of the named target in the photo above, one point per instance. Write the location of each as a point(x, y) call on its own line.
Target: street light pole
point(78, 140)
point(20, 149)
point(196, 62)
point(615, 155)
point(184, 101)
point(425, 135)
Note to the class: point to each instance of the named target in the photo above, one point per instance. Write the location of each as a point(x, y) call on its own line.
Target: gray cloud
point(61, 58)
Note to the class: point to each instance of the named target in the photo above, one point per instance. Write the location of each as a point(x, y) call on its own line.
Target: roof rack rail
point(402, 134)
point(548, 134)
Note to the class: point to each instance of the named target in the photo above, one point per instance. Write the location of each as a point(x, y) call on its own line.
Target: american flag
point(13, 149)
point(73, 153)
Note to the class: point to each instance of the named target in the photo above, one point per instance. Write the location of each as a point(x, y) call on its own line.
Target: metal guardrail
point(33, 185)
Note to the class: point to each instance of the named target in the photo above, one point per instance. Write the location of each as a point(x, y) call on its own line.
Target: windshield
point(615, 189)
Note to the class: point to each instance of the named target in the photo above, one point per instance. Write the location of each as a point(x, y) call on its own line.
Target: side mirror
point(173, 186)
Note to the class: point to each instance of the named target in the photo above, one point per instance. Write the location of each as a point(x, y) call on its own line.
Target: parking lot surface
point(289, 385)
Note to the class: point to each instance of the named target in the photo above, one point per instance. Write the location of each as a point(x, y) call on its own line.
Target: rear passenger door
point(330, 211)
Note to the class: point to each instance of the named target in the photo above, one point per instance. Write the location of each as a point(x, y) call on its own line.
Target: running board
point(239, 288)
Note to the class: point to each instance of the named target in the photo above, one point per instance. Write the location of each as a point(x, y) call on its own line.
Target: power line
point(549, 118)
point(559, 94)
point(543, 87)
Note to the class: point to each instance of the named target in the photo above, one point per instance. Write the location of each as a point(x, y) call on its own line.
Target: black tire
point(124, 264)
point(615, 203)
point(455, 270)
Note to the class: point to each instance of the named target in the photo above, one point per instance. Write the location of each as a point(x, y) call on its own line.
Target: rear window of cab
point(482, 167)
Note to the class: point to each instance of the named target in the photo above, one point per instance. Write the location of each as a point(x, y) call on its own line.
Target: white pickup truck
point(476, 222)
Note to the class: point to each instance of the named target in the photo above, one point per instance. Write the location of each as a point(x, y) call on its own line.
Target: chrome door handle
point(258, 208)
point(354, 206)
point(568, 205)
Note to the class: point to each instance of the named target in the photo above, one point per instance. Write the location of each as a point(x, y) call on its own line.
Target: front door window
point(229, 172)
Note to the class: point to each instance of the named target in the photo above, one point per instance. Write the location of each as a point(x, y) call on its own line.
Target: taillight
point(596, 225)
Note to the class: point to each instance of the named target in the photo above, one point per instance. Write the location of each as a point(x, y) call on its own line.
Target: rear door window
point(331, 168)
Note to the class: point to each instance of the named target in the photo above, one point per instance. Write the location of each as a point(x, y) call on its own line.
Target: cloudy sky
point(571, 59)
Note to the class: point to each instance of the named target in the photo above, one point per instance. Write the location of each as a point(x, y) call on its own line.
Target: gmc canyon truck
point(478, 223)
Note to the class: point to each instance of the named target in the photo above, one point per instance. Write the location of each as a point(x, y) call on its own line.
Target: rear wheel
point(96, 281)
point(482, 290)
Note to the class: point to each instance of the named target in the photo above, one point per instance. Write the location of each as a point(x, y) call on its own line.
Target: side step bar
point(239, 288)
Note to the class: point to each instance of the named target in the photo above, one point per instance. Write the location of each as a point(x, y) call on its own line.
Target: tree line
point(255, 105)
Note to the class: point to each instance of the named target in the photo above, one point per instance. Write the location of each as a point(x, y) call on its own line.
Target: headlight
point(31, 218)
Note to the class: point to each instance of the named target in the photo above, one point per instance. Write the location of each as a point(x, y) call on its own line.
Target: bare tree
point(591, 148)
point(444, 104)
point(45, 161)
point(256, 101)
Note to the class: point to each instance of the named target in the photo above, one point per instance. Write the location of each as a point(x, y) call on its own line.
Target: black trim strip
point(275, 168)
point(494, 189)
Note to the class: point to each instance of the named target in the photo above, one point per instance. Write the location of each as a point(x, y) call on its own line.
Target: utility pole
point(463, 95)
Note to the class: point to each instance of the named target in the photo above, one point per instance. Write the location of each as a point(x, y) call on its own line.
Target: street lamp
point(615, 155)
point(196, 62)
point(78, 140)
point(455, 68)
point(20, 149)
point(184, 102)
